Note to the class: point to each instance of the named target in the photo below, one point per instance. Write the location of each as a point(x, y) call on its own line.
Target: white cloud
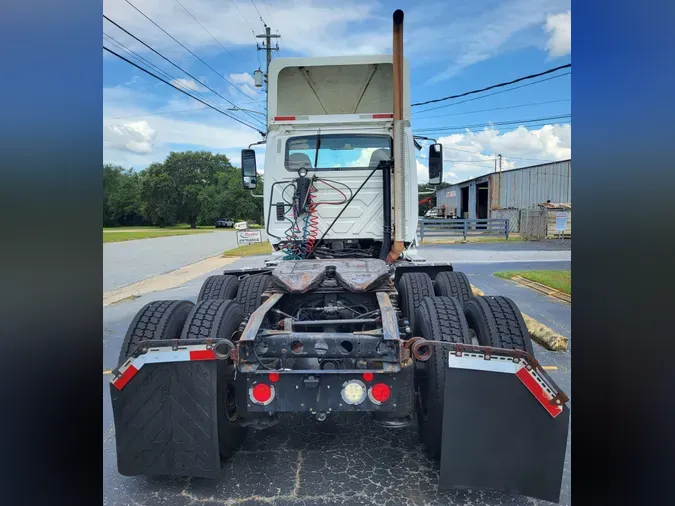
point(309, 27)
point(422, 173)
point(559, 26)
point(474, 37)
point(245, 83)
point(139, 142)
point(188, 84)
point(473, 153)
point(136, 136)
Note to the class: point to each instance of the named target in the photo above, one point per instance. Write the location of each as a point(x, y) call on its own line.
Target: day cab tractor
point(344, 316)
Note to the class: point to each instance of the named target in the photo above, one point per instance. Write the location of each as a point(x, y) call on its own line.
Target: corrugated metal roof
point(511, 170)
point(520, 188)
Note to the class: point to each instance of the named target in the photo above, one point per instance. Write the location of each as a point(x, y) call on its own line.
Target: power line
point(531, 76)
point(184, 47)
point(244, 18)
point(256, 9)
point(183, 91)
point(495, 93)
point(177, 1)
point(158, 113)
point(138, 57)
point(438, 129)
point(174, 64)
point(495, 109)
point(505, 129)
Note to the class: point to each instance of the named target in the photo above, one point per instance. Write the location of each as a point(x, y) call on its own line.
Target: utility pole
point(267, 47)
point(500, 163)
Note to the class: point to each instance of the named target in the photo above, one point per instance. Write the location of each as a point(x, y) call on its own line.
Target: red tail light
point(379, 393)
point(368, 376)
point(274, 377)
point(262, 393)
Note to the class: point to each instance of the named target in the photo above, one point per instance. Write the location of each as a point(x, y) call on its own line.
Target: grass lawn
point(131, 234)
point(559, 280)
point(257, 248)
point(181, 226)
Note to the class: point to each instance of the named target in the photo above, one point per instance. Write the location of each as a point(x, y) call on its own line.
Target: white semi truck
point(343, 317)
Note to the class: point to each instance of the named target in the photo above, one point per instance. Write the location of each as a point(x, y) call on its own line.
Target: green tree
point(121, 196)
point(193, 172)
point(159, 194)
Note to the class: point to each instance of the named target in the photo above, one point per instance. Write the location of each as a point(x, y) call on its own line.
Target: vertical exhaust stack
point(399, 144)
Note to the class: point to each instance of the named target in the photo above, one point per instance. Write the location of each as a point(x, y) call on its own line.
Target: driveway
point(127, 262)
point(343, 460)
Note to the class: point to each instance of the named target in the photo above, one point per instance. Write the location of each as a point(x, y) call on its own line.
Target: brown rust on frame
point(389, 319)
point(256, 318)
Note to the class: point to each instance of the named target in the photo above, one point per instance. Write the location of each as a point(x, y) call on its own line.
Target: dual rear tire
point(495, 321)
point(215, 319)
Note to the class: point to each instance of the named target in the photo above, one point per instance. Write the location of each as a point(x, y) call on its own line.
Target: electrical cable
point(531, 76)
point(495, 123)
point(184, 47)
point(495, 93)
point(182, 91)
point(192, 16)
point(179, 68)
point(492, 109)
point(343, 209)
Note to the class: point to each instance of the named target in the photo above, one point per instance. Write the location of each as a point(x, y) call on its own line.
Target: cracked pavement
point(344, 460)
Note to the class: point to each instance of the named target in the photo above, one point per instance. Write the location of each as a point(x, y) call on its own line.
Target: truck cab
point(329, 127)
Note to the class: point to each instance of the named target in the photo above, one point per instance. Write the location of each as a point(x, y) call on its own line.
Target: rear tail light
point(353, 392)
point(379, 393)
point(261, 393)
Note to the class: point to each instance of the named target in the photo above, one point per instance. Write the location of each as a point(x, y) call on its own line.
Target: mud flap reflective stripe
point(496, 434)
point(160, 355)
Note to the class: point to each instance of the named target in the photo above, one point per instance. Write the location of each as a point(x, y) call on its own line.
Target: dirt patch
point(166, 281)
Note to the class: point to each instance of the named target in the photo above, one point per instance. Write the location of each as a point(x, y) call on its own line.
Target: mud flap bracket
point(505, 426)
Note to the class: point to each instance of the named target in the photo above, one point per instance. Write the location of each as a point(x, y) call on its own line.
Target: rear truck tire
point(440, 319)
point(412, 288)
point(251, 289)
point(453, 284)
point(219, 287)
point(497, 322)
point(157, 320)
point(220, 319)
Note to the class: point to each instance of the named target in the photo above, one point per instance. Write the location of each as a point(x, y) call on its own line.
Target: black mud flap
point(498, 434)
point(166, 420)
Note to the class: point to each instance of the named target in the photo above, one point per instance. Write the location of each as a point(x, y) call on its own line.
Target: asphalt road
point(127, 262)
point(344, 460)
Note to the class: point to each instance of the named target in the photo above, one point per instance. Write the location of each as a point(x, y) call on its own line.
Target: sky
point(452, 47)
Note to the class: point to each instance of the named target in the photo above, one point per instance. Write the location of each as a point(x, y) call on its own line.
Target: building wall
point(530, 186)
point(518, 189)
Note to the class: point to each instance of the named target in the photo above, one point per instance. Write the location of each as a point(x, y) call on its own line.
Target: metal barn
point(500, 194)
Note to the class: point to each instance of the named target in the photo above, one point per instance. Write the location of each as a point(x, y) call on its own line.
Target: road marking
point(109, 371)
point(549, 368)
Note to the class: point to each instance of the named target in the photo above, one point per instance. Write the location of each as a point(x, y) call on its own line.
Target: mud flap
point(500, 431)
point(166, 419)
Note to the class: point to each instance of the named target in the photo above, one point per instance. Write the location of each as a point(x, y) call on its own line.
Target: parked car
point(225, 223)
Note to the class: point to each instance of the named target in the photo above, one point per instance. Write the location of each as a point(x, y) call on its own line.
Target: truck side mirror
point(435, 164)
point(249, 173)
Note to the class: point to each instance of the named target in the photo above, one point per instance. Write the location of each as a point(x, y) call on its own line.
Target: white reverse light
point(353, 392)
